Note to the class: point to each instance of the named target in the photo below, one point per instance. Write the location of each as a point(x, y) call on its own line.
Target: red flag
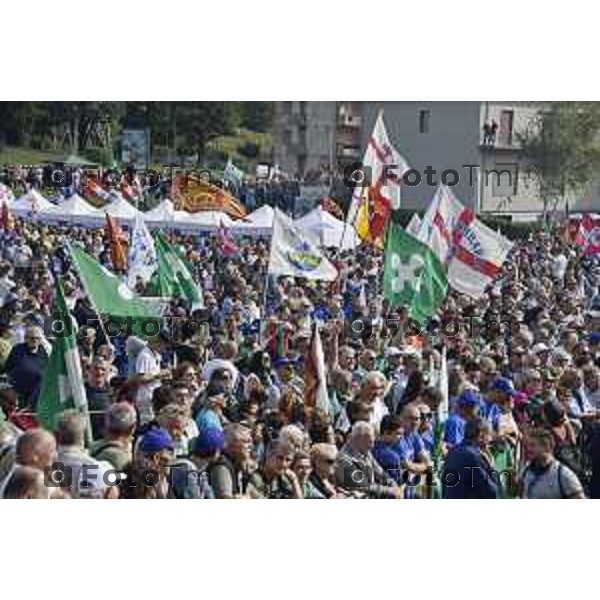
point(118, 244)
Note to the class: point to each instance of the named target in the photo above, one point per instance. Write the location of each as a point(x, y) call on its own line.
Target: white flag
point(233, 174)
point(442, 385)
point(315, 391)
point(414, 226)
point(293, 253)
point(143, 260)
point(385, 165)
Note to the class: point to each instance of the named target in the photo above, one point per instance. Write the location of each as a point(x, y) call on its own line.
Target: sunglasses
point(426, 416)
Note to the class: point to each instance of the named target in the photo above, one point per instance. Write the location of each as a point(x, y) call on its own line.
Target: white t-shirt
point(147, 363)
point(557, 482)
point(559, 266)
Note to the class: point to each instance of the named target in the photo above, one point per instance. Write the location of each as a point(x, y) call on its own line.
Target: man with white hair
point(356, 469)
point(372, 393)
point(25, 365)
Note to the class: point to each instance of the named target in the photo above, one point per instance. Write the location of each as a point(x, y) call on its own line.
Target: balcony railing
point(350, 121)
point(348, 151)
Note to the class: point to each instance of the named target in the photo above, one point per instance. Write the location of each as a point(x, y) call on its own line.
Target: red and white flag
point(591, 235)
point(374, 199)
point(472, 252)
point(97, 190)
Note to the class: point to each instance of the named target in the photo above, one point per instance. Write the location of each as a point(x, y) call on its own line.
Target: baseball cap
point(470, 398)
point(209, 440)
point(155, 440)
point(504, 385)
point(282, 361)
point(594, 338)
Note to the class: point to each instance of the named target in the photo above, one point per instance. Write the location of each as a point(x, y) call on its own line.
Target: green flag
point(124, 311)
point(173, 278)
point(62, 383)
point(413, 275)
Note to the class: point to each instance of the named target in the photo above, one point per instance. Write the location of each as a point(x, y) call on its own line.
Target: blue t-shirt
point(388, 459)
point(409, 446)
point(454, 430)
point(208, 418)
point(428, 438)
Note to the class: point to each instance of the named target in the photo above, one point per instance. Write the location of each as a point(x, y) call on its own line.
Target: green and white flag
point(62, 383)
point(173, 278)
point(413, 275)
point(113, 299)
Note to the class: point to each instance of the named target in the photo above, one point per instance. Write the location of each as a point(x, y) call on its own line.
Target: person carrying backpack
point(545, 477)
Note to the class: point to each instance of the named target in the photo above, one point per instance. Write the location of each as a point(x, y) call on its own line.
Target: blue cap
point(282, 361)
point(505, 385)
point(470, 398)
point(594, 338)
point(209, 440)
point(155, 440)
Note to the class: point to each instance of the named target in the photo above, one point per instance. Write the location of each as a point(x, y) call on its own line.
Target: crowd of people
point(220, 411)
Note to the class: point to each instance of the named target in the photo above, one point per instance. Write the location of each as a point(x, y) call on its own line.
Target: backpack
point(561, 487)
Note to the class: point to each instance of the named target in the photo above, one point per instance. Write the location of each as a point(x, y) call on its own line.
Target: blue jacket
point(468, 475)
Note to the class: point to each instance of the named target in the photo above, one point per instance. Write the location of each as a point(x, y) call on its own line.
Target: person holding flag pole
point(62, 384)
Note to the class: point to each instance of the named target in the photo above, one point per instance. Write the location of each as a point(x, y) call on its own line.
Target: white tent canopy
point(30, 203)
point(121, 209)
point(329, 230)
point(74, 210)
point(259, 222)
point(208, 220)
point(162, 215)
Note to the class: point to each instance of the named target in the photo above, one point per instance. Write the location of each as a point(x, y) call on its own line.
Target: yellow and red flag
point(382, 170)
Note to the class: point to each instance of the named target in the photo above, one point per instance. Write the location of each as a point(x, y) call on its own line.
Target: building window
point(506, 127)
point(424, 121)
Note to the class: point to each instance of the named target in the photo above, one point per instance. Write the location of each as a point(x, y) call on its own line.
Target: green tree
point(561, 148)
point(257, 116)
point(200, 122)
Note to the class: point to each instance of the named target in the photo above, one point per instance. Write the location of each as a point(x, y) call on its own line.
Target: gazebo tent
point(328, 230)
point(30, 203)
point(162, 215)
point(259, 222)
point(121, 209)
point(74, 210)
